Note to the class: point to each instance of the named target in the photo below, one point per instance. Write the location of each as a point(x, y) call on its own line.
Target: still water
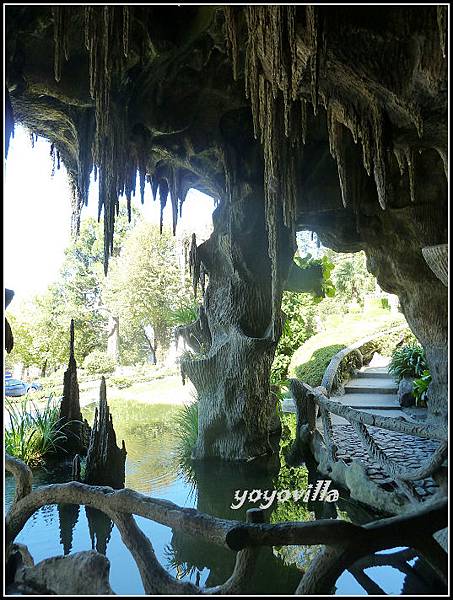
point(151, 468)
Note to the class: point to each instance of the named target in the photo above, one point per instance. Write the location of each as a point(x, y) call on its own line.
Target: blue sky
point(37, 215)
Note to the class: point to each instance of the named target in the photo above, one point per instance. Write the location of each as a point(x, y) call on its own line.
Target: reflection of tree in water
point(48, 514)
point(68, 515)
point(216, 483)
point(100, 527)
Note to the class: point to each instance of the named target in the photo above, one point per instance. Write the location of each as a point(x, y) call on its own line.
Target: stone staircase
point(373, 390)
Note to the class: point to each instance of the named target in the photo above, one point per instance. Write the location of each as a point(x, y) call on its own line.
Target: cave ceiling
point(335, 112)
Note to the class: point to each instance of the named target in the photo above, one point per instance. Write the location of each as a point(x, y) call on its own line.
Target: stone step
point(373, 373)
point(362, 386)
point(369, 401)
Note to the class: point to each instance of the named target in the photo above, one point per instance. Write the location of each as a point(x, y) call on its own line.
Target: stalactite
point(312, 18)
point(379, 159)
point(194, 264)
point(52, 156)
point(231, 37)
point(154, 186)
point(174, 196)
point(442, 16)
point(337, 150)
point(60, 39)
point(125, 31)
point(303, 120)
point(400, 159)
point(106, 37)
point(274, 124)
point(410, 159)
point(163, 195)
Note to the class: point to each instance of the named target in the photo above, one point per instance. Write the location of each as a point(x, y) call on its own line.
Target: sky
point(37, 215)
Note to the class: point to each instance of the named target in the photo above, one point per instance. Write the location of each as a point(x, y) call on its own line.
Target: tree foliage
point(351, 277)
point(146, 285)
point(41, 326)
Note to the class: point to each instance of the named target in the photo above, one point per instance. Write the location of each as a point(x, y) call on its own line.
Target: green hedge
point(313, 370)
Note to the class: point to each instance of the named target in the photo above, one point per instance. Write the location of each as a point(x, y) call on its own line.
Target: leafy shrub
point(99, 362)
point(420, 390)
point(385, 303)
point(408, 361)
point(121, 382)
point(312, 371)
point(32, 436)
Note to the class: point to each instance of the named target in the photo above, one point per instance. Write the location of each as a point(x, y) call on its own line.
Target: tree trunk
point(113, 338)
point(233, 336)
point(44, 369)
point(148, 332)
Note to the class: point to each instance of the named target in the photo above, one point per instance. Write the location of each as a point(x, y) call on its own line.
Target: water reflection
point(209, 487)
point(68, 515)
point(100, 527)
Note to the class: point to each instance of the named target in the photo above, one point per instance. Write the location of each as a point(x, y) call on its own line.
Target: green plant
point(184, 315)
point(312, 371)
point(327, 285)
point(420, 390)
point(408, 361)
point(186, 430)
point(31, 436)
point(99, 362)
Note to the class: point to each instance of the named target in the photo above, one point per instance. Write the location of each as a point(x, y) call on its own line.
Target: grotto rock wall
point(234, 335)
point(321, 110)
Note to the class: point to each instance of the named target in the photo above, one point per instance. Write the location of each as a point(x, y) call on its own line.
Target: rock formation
point(105, 462)
point(329, 118)
point(75, 428)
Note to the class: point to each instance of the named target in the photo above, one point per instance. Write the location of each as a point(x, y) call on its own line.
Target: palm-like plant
point(408, 361)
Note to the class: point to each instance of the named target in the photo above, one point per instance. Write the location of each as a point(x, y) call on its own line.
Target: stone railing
point(310, 401)
point(345, 543)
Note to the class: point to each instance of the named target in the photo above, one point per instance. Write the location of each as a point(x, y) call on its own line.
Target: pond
point(152, 469)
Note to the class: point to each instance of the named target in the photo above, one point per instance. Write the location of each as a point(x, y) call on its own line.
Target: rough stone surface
point(83, 573)
point(106, 462)
point(408, 451)
point(337, 125)
point(405, 395)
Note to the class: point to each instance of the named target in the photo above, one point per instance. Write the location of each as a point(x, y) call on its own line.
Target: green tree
point(40, 332)
point(41, 326)
point(145, 285)
point(351, 277)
